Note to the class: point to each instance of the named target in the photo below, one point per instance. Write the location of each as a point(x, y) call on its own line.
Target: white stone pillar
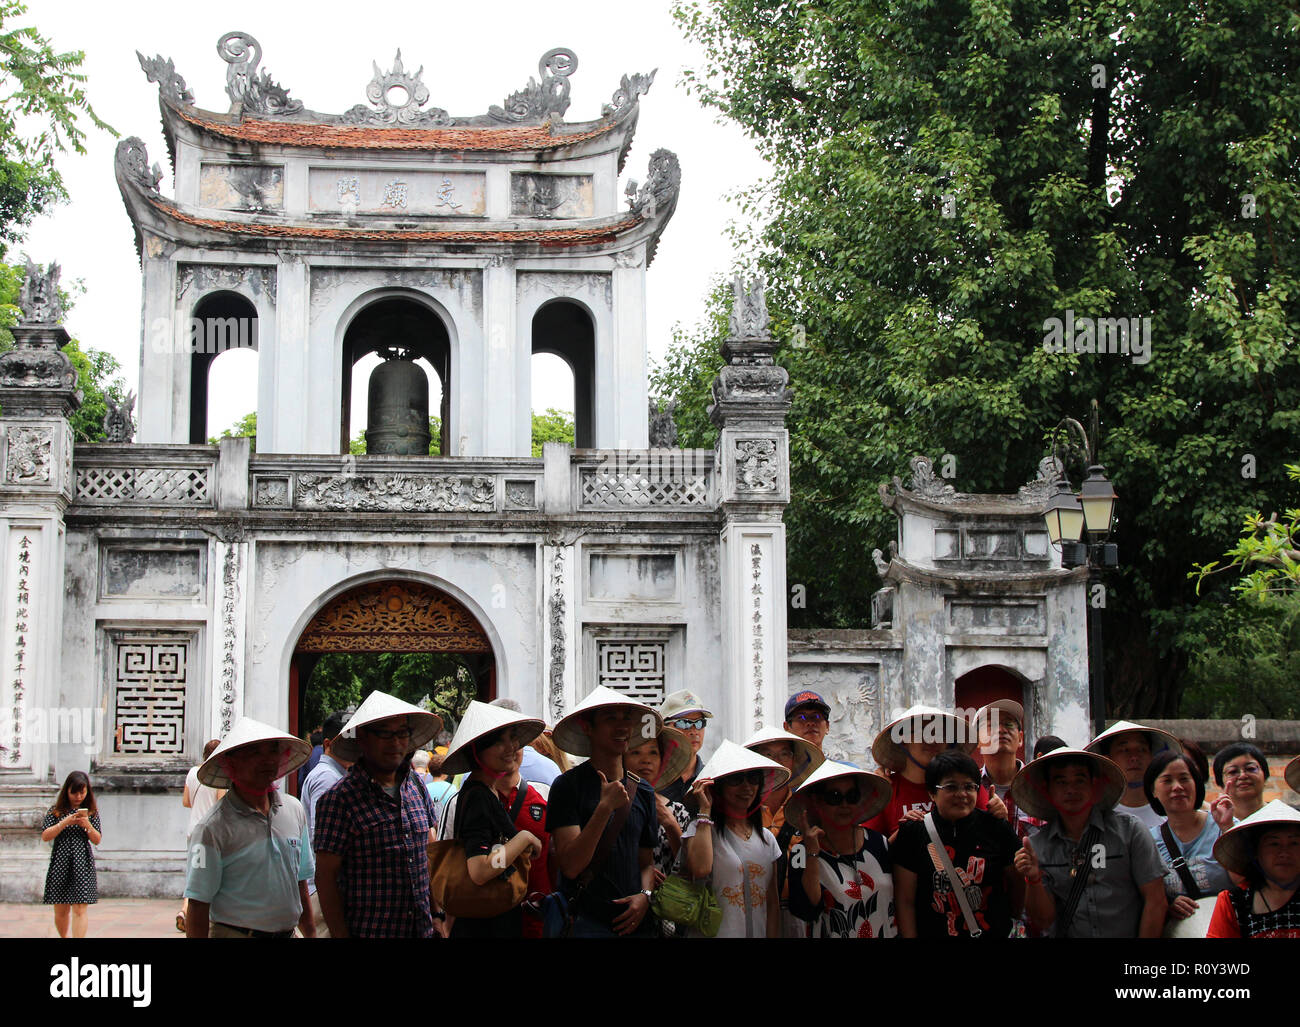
point(229, 627)
point(310, 421)
point(507, 430)
point(621, 403)
point(561, 646)
point(164, 344)
point(754, 625)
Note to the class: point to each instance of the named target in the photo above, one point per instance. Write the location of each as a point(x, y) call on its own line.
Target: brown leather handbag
point(455, 891)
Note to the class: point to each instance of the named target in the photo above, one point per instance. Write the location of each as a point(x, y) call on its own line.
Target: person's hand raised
point(1026, 863)
point(613, 796)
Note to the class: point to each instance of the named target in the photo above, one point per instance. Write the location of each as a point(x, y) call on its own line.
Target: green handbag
point(688, 903)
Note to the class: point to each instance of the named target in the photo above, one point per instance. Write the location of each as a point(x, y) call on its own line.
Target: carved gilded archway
point(394, 617)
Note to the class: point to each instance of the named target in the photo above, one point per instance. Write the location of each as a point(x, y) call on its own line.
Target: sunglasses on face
point(834, 797)
point(752, 777)
point(689, 723)
point(402, 734)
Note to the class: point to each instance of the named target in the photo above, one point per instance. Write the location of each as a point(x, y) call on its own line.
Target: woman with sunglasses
point(980, 848)
point(727, 842)
point(842, 887)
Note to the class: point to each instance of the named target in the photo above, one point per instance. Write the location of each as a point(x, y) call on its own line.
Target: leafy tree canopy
point(950, 177)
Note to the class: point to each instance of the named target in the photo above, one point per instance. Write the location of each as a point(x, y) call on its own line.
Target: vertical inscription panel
point(149, 679)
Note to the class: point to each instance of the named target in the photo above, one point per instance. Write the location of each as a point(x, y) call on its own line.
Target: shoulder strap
point(958, 886)
point(1178, 862)
point(1082, 872)
point(521, 793)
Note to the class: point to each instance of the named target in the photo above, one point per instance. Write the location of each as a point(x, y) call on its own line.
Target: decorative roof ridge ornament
point(39, 299)
point(925, 483)
point(119, 425)
point(132, 160)
point(661, 185)
point(380, 93)
point(539, 101)
point(749, 318)
point(1041, 489)
point(37, 360)
point(627, 95)
point(171, 87)
point(250, 90)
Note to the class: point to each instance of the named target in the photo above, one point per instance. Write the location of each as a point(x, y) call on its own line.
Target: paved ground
point(107, 918)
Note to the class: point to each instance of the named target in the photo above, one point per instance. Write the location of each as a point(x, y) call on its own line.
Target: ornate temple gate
point(391, 617)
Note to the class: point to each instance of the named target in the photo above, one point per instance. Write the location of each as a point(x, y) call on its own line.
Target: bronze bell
point(397, 420)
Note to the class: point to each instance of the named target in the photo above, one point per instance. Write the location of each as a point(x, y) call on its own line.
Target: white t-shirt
point(1144, 813)
point(756, 856)
point(202, 798)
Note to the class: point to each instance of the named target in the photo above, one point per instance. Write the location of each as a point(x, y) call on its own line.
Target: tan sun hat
point(1029, 789)
point(1159, 740)
point(874, 788)
point(1006, 706)
point(569, 736)
point(382, 706)
point(807, 757)
point(675, 752)
point(1235, 849)
point(682, 702)
point(730, 758)
point(482, 719)
point(1292, 774)
point(248, 731)
point(888, 748)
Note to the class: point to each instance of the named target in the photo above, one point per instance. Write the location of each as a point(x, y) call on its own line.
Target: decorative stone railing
point(644, 479)
point(128, 475)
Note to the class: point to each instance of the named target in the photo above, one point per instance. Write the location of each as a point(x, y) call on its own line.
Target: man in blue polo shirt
point(250, 857)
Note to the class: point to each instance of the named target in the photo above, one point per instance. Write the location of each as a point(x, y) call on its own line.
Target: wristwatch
point(650, 895)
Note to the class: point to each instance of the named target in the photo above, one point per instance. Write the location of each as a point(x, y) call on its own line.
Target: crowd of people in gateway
point(611, 825)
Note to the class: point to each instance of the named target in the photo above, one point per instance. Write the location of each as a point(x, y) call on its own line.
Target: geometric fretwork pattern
point(634, 489)
point(634, 668)
point(394, 617)
point(152, 486)
point(149, 697)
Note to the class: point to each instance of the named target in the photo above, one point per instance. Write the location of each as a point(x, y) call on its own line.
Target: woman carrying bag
point(482, 898)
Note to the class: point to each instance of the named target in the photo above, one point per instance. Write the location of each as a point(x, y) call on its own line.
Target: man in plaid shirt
point(1001, 731)
point(374, 826)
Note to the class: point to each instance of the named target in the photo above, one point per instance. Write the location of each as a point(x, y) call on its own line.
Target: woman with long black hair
point(72, 824)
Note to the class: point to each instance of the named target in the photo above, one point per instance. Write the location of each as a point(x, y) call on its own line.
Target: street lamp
point(1069, 519)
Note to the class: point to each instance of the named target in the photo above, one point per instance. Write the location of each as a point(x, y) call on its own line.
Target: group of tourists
point(610, 824)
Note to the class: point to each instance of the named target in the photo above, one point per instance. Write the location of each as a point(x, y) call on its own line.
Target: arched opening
point(232, 392)
point(552, 400)
point(982, 685)
point(406, 638)
point(394, 323)
point(221, 321)
point(565, 329)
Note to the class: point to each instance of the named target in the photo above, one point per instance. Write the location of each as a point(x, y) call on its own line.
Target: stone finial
point(749, 318)
point(39, 300)
point(663, 427)
point(926, 483)
point(248, 88)
point(384, 92)
point(625, 97)
point(171, 87)
point(1038, 491)
point(132, 160)
point(119, 426)
point(538, 101)
point(661, 185)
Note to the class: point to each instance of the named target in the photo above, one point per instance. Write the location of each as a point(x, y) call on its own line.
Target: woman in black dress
point(72, 824)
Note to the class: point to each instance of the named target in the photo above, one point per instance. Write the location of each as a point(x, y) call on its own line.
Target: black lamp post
point(1079, 525)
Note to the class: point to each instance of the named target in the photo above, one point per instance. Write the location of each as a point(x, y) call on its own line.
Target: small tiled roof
point(542, 236)
point(362, 137)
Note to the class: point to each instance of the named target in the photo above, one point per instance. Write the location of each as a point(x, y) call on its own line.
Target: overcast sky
point(473, 55)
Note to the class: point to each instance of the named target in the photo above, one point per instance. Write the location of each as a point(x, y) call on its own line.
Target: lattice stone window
point(148, 679)
point(150, 486)
point(637, 668)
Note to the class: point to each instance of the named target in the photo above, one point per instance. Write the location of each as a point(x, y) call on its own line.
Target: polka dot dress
point(71, 877)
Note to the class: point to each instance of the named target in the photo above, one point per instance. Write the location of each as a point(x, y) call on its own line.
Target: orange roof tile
point(362, 137)
point(542, 236)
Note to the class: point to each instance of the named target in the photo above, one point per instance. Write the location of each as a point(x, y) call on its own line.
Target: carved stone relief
point(245, 187)
point(552, 196)
point(29, 455)
point(757, 467)
point(256, 280)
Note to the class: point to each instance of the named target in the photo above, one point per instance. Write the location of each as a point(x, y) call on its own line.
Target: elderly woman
point(843, 886)
point(1265, 850)
point(980, 853)
point(1175, 789)
point(728, 843)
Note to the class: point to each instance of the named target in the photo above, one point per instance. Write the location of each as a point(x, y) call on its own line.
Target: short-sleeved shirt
point(202, 799)
point(743, 871)
point(905, 796)
point(536, 768)
point(1209, 876)
point(1111, 905)
point(1143, 814)
point(572, 803)
point(981, 848)
point(383, 843)
point(857, 892)
point(1234, 917)
point(324, 776)
point(246, 865)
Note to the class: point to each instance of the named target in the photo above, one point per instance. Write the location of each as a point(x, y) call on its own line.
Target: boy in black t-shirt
point(608, 876)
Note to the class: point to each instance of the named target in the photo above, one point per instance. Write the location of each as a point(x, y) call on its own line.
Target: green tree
point(552, 426)
point(949, 177)
point(1269, 549)
point(43, 102)
point(443, 684)
point(245, 427)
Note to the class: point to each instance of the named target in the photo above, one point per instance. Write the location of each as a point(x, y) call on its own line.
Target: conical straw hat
point(480, 720)
point(1292, 774)
point(248, 731)
point(1236, 847)
point(874, 788)
point(1160, 740)
point(807, 757)
point(1029, 789)
point(382, 706)
point(569, 736)
point(675, 755)
point(730, 758)
point(889, 747)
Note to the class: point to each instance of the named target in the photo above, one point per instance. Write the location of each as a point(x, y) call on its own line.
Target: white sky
point(473, 56)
